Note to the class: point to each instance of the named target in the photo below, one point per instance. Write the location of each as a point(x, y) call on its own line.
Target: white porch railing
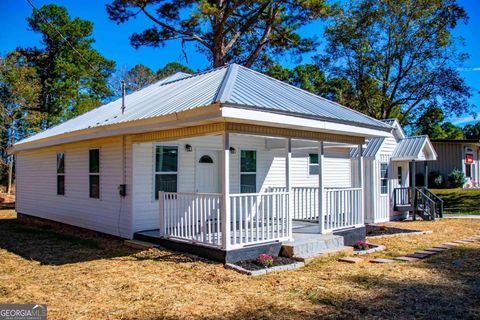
point(255, 217)
point(259, 217)
point(195, 217)
point(343, 208)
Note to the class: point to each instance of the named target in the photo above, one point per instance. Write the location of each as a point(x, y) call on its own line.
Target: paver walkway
point(418, 255)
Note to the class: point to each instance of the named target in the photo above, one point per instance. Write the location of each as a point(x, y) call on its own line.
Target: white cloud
point(465, 120)
point(469, 69)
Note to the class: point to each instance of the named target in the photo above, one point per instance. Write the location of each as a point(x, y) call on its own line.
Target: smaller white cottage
point(390, 169)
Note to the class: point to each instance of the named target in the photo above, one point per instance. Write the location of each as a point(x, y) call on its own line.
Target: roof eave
point(196, 115)
point(230, 108)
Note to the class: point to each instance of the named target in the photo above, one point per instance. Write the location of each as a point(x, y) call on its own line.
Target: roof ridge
point(228, 82)
point(312, 94)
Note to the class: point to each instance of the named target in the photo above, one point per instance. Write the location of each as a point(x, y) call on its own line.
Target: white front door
point(207, 171)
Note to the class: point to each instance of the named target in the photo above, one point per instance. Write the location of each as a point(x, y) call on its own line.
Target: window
point(166, 164)
point(61, 173)
point(94, 173)
point(399, 173)
point(468, 170)
point(383, 178)
point(248, 171)
point(206, 159)
point(313, 163)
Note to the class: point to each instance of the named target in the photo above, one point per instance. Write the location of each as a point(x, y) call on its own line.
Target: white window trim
point(251, 172)
point(382, 178)
point(154, 159)
point(311, 165)
point(95, 173)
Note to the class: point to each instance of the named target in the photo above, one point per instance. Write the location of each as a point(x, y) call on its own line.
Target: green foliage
point(171, 68)
point(472, 131)
point(430, 123)
point(141, 76)
point(247, 32)
point(309, 77)
point(456, 179)
point(399, 56)
point(435, 179)
point(70, 84)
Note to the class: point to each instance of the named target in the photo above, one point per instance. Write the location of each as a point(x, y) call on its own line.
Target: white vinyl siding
point(37, 183)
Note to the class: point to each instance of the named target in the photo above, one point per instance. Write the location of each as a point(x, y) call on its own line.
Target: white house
point(390, 164)
point(222, 163)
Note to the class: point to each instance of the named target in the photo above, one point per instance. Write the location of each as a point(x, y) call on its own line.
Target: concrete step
point(312, 245)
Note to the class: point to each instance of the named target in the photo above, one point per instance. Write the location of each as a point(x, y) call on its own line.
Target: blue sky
point(112, 40)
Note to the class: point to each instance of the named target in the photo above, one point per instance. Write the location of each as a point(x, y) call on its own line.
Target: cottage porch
point(265, 212)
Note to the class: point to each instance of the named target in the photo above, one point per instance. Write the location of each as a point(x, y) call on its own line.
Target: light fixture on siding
point(188, 148)
point(233, 150)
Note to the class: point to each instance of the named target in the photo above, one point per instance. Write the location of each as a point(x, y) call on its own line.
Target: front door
point(207, 172)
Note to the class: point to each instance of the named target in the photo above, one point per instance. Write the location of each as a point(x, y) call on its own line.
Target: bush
point(435, 179)
point(456, 179)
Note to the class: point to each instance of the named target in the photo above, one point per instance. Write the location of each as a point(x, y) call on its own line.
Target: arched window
point(206, 159)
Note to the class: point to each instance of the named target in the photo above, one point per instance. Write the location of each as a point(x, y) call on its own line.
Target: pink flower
point(361, 245)
point(265, 260)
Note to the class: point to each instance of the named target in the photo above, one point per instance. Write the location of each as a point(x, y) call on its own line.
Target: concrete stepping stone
point(435, 249)
point(351, 260)
point(418, 255)
point(382, 260)
point(430, 253)
point(406, 259)
point(451, 244)
point(468, 240)
point(460, 242)
point(441, 247)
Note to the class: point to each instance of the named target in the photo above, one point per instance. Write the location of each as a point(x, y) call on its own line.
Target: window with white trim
point(166, 169)
point(383, 178)
point(94, 173)
point(248, 171)
point(61, 173)
point(313, 164)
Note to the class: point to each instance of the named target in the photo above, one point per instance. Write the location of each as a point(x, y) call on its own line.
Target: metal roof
point(373, 146)
point(232, 85)
point(410, 148)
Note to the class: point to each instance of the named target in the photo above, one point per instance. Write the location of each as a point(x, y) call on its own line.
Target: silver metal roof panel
point(231, 85)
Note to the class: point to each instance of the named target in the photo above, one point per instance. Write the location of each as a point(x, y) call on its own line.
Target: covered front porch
point(242, 189)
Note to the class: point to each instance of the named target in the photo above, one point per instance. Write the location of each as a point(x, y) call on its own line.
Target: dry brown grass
point(85, 276)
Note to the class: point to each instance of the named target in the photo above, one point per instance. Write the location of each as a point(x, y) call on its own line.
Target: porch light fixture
point(233, 150)
point(188, 148)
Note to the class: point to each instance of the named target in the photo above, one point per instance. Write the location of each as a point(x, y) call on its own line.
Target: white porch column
point(288, 186)
point(321, 188)
point(361, 184)
point(161, 203)
point(226, 192)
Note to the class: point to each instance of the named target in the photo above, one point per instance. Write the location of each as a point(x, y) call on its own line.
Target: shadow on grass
point(454, 297)
point(55, 245)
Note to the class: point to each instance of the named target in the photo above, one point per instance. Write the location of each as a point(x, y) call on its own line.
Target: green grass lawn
point(459, 201)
